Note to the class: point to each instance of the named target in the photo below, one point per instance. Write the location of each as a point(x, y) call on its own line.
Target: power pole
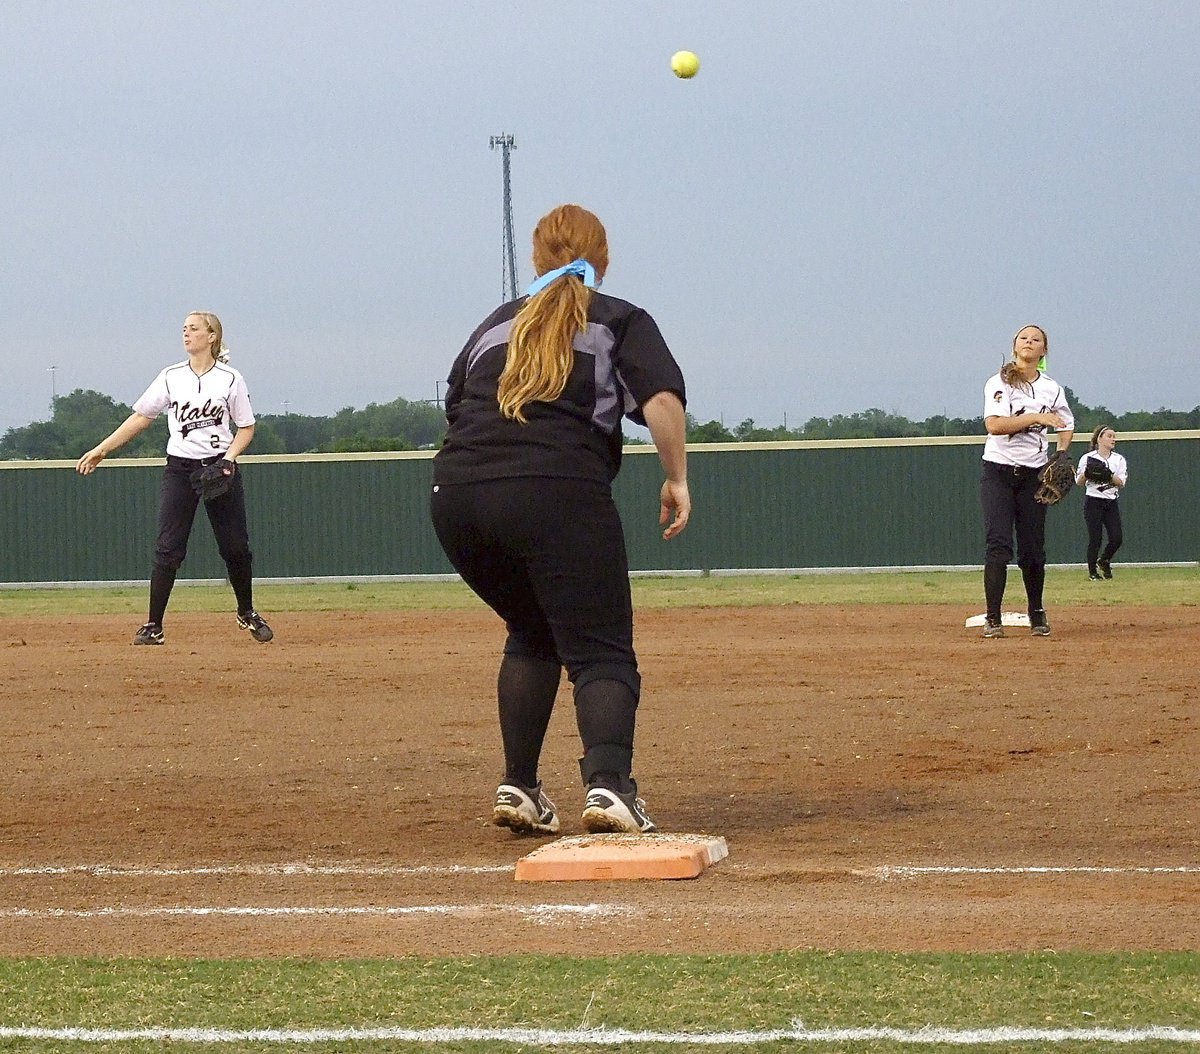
point(508, 277)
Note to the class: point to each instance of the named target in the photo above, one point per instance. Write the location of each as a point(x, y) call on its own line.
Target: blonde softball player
point(202, 397)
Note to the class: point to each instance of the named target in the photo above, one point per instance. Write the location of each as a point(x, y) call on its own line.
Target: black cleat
point(1039, 627)
point(257, 626)
point(607, 810)
point(150, 633)
point(525, 810)
point(1105, 568)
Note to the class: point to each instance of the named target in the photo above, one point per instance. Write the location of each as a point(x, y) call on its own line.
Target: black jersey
point(621, 361)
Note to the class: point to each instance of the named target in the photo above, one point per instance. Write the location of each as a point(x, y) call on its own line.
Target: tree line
point(82, 418)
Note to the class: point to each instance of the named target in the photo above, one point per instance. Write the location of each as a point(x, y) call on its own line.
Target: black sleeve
point(458, 372)
point(454, 383)
point(645, 364)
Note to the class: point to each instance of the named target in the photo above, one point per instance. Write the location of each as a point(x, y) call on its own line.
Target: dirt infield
point(825, 744)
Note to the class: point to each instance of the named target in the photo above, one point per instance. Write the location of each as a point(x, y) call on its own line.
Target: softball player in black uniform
point(1020, 403)
point(522, 506)
point(203, 396)
point(1100, 509)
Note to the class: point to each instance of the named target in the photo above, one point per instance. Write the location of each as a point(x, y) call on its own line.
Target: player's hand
point(1049, 420)
point(675, 504)
point(87, 464)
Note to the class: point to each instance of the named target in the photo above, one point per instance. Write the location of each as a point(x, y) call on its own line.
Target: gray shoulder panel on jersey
point(488, 339)
point(598, 341)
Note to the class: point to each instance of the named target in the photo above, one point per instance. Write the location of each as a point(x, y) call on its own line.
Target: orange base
point(605, 857)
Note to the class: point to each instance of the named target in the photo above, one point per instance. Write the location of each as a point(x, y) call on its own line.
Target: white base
point(1007, 618)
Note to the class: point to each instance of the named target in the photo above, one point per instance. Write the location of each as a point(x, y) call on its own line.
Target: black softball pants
point(548, 556)
point(1007, 496)
point(177, 503)
point(1102, 514)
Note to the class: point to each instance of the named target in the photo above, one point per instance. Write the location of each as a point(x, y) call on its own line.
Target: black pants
point(177, 503)
point(1102, 514)
point(1007, 496)
point(548, 556)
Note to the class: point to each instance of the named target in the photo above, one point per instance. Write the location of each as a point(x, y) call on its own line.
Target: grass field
point(537, 1002)
point(802, 999)
point(1158, 585)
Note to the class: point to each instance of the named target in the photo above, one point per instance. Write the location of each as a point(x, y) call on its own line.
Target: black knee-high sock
point(162, 581)
point(995, 577)
point(606, 712)
point(525, 688)
point(1035, 582)
point(243, 584)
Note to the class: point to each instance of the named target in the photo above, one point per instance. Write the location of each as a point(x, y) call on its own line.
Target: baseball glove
point(211, 481)
point(1096, 471)
point(1057, 479)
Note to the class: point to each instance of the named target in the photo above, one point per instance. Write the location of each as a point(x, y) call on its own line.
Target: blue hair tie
point(580, 267)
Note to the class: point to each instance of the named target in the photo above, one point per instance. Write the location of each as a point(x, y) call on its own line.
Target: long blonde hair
point(220, 353)
point(540, 352)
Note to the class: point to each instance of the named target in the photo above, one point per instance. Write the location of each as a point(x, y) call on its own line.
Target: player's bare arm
point(132, 426)
point(241, 440)
point(668, 428)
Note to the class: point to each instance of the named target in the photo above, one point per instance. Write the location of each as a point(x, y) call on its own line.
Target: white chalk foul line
point(903, 871)
point(258, 870)
point(885, 871)
point(604, 1037)
point(534, 912)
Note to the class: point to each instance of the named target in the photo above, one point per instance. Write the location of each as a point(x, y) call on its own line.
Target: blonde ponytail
point(570, 252)
point(540, 347)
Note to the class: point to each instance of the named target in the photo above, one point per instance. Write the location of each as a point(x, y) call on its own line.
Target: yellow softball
point(686, 64)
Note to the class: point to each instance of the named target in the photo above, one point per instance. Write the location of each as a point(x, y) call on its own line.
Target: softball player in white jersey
point(1019, 404)
point(1100, 509)
point(203, 397)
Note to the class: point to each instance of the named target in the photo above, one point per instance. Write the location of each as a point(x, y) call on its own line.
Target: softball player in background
point(1020, 404)
point(522, 505)
point(1100, 510)
point(203, 396)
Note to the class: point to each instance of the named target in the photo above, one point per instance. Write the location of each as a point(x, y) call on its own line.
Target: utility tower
point(508, 276)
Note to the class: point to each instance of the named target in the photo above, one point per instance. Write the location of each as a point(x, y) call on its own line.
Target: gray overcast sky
point(853, 205)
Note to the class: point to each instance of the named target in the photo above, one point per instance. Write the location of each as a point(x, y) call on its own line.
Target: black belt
point(190, 462)
point(1016, 470)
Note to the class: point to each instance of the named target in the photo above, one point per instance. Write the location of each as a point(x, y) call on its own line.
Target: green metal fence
point(885, 503)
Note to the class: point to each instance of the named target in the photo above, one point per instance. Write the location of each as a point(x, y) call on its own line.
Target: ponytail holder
point(580, 267)
point(1042, 363)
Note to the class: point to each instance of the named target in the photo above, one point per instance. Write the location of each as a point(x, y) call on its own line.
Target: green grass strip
point(1130, 586)
point(679, 995)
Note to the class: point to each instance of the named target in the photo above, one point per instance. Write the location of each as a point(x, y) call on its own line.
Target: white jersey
point(1029, 447)
point(201, 408)
point(1119, 467)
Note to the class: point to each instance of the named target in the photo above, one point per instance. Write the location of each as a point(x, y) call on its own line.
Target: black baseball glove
point(213, 480)
point(1096, 471)
point(1057, 479)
